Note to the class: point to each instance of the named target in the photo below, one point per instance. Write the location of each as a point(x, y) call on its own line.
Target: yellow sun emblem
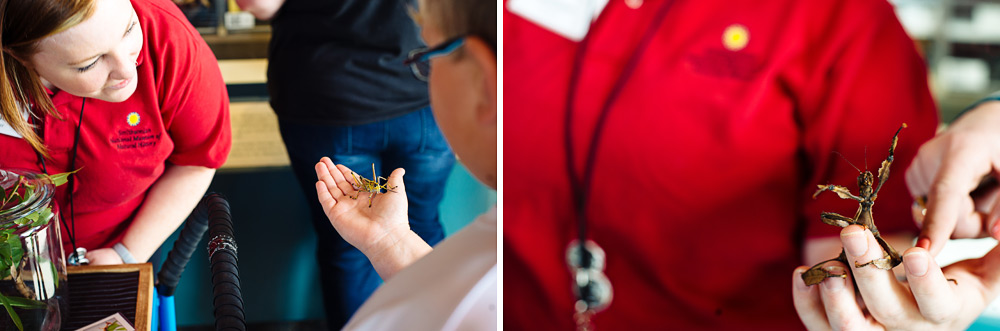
point(133, 119)
point(735, 37)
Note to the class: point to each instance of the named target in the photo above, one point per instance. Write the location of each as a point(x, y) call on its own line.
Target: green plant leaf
point(5, 254)
point(13, 192)
point(26, 303)
point(10, 311)
point(56, 278)
point(44, 216)
point(16, 251)
point(59, 179)
point(29, 190)
point(33, 216)
point(114, 326)
point(38, 217)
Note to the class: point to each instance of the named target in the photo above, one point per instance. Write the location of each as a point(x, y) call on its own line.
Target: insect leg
point(358, 184)
point(890, 260)
point(837, 219)
point(816, 274)
point(841, 191)
point(883, 171)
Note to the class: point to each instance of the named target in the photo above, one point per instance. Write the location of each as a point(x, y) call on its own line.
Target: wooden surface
point(144, 295)
point(256, 139)
point(239, 45)
point(243, 71)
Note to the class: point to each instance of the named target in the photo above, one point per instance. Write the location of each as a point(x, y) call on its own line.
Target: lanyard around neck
point(586, 259)
point(581, 185)
point(71, 185)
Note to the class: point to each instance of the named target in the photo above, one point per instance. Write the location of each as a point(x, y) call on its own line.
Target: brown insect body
point(863, 217)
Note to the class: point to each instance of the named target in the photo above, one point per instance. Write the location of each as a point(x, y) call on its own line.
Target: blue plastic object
point(155, 319)
point(167, 314)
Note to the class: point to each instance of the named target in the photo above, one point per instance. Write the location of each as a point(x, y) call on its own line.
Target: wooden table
point(96, 292)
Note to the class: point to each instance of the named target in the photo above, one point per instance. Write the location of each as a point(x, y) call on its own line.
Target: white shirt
point(454, 287)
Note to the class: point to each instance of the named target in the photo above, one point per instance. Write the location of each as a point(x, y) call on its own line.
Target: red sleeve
point(194, 100)
point(861, 79)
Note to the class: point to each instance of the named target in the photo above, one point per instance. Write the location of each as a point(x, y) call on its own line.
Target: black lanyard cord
point(72, 178)
point(581, 185)
point(71, 229)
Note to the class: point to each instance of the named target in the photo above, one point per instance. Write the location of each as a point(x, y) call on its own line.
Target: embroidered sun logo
point(132, 119)
point(735, 37)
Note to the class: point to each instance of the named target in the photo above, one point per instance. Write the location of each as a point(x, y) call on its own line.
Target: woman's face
point(96, 58)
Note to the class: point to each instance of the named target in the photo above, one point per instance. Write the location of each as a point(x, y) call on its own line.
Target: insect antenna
point(848, 162)
point(866, 157)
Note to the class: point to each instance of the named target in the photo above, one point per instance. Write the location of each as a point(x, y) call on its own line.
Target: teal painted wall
point(278, 272)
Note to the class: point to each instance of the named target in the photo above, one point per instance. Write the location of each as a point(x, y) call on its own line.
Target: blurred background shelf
point(961, 42)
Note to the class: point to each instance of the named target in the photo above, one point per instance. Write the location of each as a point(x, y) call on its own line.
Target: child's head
point(463, 82)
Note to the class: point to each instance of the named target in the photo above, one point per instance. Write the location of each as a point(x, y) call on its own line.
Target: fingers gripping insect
point(866, 199)
point(374, 187)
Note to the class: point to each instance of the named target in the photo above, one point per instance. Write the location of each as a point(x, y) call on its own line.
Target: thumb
point(396, 180)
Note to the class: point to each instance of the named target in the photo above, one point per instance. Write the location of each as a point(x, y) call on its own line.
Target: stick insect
point(866, 198)
point(363, 184)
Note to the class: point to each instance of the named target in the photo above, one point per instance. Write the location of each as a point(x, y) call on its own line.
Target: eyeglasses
point(419, 59)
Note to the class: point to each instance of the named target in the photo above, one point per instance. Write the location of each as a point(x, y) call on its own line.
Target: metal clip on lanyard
point(586, 260)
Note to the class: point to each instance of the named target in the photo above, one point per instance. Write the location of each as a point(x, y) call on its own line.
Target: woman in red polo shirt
point(128, 94)
point(682, 141)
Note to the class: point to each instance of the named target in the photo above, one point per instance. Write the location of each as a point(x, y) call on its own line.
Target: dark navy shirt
point(341, 62)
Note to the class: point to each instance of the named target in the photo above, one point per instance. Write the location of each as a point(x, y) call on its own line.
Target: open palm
point(364, 227)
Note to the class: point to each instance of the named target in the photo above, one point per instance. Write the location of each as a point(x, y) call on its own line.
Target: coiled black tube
point(187, 241)
point(227, 297)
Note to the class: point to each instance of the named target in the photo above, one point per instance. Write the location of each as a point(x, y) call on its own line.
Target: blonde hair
point(23, 24)
point(462, 17)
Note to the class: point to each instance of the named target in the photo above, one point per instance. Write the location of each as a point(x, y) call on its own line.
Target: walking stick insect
point(372, 186)
point(863, 217)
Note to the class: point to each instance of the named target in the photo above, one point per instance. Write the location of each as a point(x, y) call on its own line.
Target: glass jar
point(32, 268)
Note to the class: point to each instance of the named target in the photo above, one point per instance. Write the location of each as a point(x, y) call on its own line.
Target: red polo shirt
point(179, 114)
point(703, 179)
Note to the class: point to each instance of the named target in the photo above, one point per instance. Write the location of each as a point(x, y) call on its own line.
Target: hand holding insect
point(372, 187)
point(926, 300)
point(863, 217)
point(365, 218)
point(931, 298)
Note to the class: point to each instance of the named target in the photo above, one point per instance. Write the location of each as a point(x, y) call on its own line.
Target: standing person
point(681, 141)
point(337, 83)
point(128, 94)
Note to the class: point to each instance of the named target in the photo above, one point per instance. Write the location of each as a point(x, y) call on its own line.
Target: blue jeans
point(412, 142)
